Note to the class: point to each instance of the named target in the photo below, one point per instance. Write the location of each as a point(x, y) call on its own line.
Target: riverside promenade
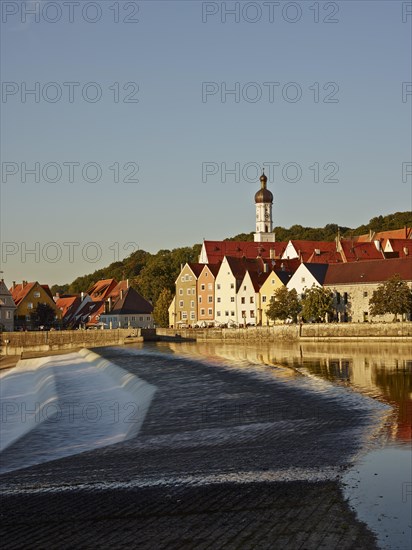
point(224, 458)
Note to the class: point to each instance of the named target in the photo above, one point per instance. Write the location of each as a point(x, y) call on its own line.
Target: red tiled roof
point(403, 233)
point(375, 271)
point(306, 249)
point(356, 251)
point(65, 303)
point(325, 257)
point(217, 250)
point(101, 289)
point(401, 247)
point(19, 292)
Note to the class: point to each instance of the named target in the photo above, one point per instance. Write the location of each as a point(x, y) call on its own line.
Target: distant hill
point(329, 232)
point(150, 273)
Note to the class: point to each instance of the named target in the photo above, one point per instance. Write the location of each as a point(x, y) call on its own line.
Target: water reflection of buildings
point(380, 370)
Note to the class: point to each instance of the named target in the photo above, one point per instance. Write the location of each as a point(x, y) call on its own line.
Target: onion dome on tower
point(263, 195)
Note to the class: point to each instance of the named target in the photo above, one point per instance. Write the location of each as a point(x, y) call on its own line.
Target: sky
point(145, 124)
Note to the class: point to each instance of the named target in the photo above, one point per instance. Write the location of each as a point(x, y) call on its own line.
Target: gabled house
point(186, 294)
point(70, 307)
point(88, 315)
point(7, 308)
point(275, 280)
point(27, 296)
point(130, 309)
point(306, 276)
point(353, 284)
point(206, 294)
point(249, 311)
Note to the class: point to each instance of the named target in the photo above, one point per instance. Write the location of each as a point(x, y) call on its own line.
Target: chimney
point(109, 304)
point(272, 254)
point(265, 267)
point(81, 296)
point(121, 294)
point(14, 285)
point(127, 283)
point(24, 283)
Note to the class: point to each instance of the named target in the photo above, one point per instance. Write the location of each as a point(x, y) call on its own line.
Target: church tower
point(264, 224)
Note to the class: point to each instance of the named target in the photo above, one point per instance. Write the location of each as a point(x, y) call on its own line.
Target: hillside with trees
point(150, 273)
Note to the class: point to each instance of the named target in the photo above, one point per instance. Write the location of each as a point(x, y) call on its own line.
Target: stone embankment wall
point(15, 343)
point(306, 332)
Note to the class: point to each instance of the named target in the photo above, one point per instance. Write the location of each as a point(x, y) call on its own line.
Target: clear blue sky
point(172, 130)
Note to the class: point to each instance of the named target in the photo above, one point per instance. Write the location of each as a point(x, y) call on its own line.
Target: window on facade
point(126, 319)
point(264, 299)
point(206, 273)
point(345, 297)
point(30, 305)
point(210, 311)
point(252, 300)
point(192, 315)
point(180, 291)
point(202, 312)
point(232, 313)
point(210, 299)
point(141, 318)
point(200, 299)
point(202, 287)
point(148, 318)
point(184, 315)
point(252, 313)
point(209, 286)
point(190, 278)
point(243, 314)
point(218, 287)
point(183, 279)
point(338, 297)
point(36, 294)
point(133, 318)
point(242, 300)
point(218, 300)
point(188, 291)
point(186, 277)
point(273, 281)
point(192, 304)
point(302, 279)
point(226, 314)
point(180, 303)
point(8, 314)
point(232, 285)
point(244, 288)
point(365, 293)
point(232, 299)
point(218, 313)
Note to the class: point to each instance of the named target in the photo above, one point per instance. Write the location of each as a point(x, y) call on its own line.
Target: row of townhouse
point(237, 291)
point(106, 304)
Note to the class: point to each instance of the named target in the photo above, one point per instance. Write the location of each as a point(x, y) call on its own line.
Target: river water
point(379, 485)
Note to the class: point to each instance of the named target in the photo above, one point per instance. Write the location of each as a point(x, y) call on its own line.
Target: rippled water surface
point(379, 487)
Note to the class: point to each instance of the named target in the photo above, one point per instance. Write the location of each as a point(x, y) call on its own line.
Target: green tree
point(284, 304)
point(43, 315)
point(317, 303)
point(393, 296)
point(161, 309)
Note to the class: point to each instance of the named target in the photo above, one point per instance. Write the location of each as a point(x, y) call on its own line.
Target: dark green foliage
point(393, 296)
point(161, 309)
point(317, 303)
point(284, 304)
point(43, 315)
point(330, 231)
